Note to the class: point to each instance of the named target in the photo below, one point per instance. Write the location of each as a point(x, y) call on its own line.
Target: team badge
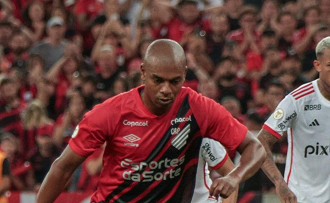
point(278, 114)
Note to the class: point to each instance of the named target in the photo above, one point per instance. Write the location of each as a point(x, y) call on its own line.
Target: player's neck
point(324, 89)
point(149, 105)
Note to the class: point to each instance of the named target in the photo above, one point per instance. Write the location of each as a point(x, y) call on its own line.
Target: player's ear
point(143, 72)
point(317, 65)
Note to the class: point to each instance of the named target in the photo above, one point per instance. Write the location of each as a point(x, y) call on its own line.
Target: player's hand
point(223, 186)
point(285, 194)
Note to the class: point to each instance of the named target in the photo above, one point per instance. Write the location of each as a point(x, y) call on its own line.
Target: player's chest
point(314, 120)
point(141, 136)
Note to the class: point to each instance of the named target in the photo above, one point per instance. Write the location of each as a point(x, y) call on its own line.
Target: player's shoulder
point(115, 103)
point(303, 92)
point(192, 94)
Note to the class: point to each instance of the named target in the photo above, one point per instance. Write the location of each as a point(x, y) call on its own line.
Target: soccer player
point(153, 134)
point(212, 156)
point(304, 115)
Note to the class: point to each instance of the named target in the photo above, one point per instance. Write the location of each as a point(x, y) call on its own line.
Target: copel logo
point(319, 150)
point(135, 123)
point(180, 120)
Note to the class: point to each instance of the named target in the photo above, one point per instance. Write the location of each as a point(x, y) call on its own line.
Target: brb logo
point(318, 150)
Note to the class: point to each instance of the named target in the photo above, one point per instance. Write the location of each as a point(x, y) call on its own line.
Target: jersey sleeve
point(97, 126)
point(281, 119)
point(213, 153)
point(217, 123)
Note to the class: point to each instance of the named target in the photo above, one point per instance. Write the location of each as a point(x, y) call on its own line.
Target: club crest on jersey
point(75, 132)
point(132, 139)
point(278, 114)
point(180, 140)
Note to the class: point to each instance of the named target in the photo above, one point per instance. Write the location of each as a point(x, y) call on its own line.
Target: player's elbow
point(258, 151)
point(261, 150)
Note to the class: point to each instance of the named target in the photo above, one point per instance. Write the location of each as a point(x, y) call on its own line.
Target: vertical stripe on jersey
point(164, 187)
point(291, 154)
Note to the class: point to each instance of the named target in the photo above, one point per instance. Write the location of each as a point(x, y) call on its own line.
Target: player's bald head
point(165, 51)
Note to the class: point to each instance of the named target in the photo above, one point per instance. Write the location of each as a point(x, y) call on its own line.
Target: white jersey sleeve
point(282, 118)
point(213, 153)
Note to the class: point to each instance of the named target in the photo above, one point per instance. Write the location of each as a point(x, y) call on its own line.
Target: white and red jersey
point(151, 158)
point(212, 154)
point(305, 115)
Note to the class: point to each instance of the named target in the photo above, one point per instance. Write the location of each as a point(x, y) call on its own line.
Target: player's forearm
point(269, 166)
point(252, 157)
point(270, 169)
point(53, 184)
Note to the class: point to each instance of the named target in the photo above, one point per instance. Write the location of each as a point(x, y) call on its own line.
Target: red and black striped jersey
point(151, 158)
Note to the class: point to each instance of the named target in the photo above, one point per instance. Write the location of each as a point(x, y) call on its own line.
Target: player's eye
point(158, 80)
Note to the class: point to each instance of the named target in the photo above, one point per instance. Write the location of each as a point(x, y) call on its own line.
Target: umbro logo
point(181, 139)
point(132, 138)
point(314, 123)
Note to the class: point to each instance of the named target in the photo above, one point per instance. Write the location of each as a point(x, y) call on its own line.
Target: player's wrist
point(279, 182)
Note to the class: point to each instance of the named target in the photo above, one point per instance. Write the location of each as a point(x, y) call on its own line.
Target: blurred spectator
point(268, 15)
point(134, 80)
point(287, 24)
point(10, 107)
point(209, 89)
point(35, 122)
point(32, 73)
point(189, 19)
point(195, 73)
point(19, 168)
point(324, 6)
point(46, 96)
point(303, 38)
point(18, 47)
point(291, 76)
point(247, 37)
point(6, 30)
point(41, 157)
point(85, 11)
point(254, 60)
point(216, 38)
point(113, 33)
point(34, 18)
point(196, 46)
point(120, 85)
point(228, 83)
point(108, 71)
point(88, 89)
point(309, 56)
point(274, 92)
point(90, 171)
point(233, 9)
point(51, 49)
point(271, 66)
point(5, 176)
point(66, 122)
point(64, 74)
point(233, 105)
point(135, 63)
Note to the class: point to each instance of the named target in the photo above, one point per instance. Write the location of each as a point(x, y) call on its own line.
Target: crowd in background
point(59, 58)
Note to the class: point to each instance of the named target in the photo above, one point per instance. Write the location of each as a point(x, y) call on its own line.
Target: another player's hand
point(223, 186)
point(285, 194)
